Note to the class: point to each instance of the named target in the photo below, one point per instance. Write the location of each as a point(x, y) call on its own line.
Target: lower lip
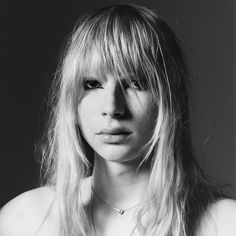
point(114, 138)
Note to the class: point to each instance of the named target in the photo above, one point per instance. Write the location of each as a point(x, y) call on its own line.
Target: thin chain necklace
point(119, 211)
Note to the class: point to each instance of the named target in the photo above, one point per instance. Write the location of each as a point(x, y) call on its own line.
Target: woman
point(118, 159)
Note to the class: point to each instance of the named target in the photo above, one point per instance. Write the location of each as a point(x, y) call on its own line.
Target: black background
point(32, 35)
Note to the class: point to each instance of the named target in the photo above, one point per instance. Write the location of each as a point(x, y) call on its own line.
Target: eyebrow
point(122, 80)
point(90, 78)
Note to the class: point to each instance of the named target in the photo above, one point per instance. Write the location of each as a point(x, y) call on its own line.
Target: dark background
point(32, 33)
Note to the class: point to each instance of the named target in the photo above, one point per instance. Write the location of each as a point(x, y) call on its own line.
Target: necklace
point(119, 211)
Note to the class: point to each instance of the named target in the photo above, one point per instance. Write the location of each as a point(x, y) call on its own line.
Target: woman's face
point(116, 121)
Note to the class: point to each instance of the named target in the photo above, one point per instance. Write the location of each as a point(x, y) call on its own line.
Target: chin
point(117, 154)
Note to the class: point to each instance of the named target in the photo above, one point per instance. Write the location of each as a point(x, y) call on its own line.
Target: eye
point(136, 85)
point(91, 84)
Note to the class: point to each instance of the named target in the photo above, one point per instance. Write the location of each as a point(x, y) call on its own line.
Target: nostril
point(116, 113)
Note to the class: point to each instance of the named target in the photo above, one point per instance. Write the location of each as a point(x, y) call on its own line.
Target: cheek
point(144, 109)
point(147, 121)
point(86, 108)
point(84, 115)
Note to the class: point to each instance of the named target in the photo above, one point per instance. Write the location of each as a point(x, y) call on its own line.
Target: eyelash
point(91, 84)
point(94, 84)
point(138, 86)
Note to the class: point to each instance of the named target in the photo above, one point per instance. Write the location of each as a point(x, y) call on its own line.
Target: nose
point(114, 104)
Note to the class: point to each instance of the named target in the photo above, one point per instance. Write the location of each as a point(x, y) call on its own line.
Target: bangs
point(125, 45)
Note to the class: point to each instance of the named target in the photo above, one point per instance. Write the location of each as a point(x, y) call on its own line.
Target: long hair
point(129, 39)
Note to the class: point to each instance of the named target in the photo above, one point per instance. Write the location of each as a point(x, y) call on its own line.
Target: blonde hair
point(129, 39)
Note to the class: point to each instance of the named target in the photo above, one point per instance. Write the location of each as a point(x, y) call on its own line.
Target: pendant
point(121, 212)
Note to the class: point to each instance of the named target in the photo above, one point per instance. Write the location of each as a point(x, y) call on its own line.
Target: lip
point(114, 135)
point(114, 131)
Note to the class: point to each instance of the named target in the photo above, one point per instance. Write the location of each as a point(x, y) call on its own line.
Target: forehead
point(98, 65)
point(95, 65)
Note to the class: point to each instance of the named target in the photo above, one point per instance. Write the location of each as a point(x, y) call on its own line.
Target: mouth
point(114, 136)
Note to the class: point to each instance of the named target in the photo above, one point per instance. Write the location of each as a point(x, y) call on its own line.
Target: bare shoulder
point(219, 219)
point(24, 214)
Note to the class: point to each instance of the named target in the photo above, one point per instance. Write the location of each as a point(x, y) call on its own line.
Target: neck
point(120, 184)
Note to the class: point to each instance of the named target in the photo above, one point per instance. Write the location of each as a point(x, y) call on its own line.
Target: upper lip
point(117, 130)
